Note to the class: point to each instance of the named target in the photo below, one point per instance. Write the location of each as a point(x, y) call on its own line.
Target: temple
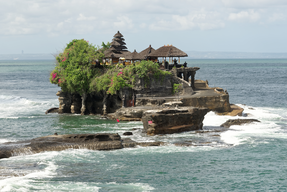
point(118, 54)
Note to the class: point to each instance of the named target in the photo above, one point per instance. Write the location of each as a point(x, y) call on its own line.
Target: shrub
point(119, 77)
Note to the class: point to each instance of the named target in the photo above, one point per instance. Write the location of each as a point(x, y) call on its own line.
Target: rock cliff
point(174, 120)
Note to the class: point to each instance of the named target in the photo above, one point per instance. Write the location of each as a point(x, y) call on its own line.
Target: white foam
point(14, 107)
point(23, 183)
point(244, 133)
point(5, 140)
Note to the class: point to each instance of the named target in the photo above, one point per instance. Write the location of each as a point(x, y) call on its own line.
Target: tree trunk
point(83, 108)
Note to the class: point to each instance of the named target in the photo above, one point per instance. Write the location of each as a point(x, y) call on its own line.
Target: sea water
point(249, 157)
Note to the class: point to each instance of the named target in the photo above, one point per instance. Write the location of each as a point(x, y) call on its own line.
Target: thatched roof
point(145, 53)
point(118, 34)
point(111, 54)
point(117, 43)
point(168, 51)
point(133, 56)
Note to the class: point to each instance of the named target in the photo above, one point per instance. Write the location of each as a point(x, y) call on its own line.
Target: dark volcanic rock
point(52, 110)
point(99, 141)
point(128, 133)
point(128, 143)
point(175, 120)
point(231, 122)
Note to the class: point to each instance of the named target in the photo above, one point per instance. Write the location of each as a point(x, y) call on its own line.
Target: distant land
point(39, 56)
point(191, 55)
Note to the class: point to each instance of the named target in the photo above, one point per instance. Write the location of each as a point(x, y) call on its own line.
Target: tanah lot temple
point(118, 54)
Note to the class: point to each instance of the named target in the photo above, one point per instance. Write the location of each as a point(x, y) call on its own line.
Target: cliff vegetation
point(78, 70)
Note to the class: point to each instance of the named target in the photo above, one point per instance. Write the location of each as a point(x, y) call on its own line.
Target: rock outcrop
point(210, 99)
point(175, 120)
point(99, 141)
point(234, 111)
point(52, 110)
point(61, 142)
point(231, 122)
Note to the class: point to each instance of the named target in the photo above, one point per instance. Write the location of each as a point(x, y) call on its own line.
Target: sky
point(46, 26)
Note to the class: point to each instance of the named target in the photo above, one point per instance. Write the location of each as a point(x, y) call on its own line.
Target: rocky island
point(126, 86)
point(135, 86)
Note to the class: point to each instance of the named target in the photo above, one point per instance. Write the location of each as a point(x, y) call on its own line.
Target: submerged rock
point(231, 122)
point(128, 143)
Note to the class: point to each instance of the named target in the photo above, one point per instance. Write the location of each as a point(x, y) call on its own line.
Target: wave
point(49, 163)
point(5, 140)
point(15, 106)
point(268, 126)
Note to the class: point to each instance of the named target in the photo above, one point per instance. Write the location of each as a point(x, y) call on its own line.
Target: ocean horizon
point(191, 55)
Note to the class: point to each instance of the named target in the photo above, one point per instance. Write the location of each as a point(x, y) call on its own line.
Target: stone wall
point(153, 87)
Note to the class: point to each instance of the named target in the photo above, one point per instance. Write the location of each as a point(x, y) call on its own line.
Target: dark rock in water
point(128, 143)
point(173, 120)
point(149, 144)
point(127, 133)
point(52, 110)
point(99, 141)
point(231, 122)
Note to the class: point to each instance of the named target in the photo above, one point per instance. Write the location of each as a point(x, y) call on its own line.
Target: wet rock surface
point(61, 142)
point(173, 120)
point(128, 133)
point(231, 122)
point(100, 141)
point(52, 110)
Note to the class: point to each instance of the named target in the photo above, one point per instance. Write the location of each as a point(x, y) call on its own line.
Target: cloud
point(52, 18)
point(277, 17)
point(249, 15)
point(123, 22)
point(84, 18)
point(198, 20)
point(248, 4)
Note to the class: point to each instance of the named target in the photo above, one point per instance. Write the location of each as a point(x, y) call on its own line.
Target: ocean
point(251, 157)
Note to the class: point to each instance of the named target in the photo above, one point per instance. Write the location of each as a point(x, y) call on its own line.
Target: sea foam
point(15, 107)
point(239, 134)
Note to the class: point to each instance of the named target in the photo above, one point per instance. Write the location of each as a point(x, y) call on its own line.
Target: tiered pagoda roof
point(118, 48)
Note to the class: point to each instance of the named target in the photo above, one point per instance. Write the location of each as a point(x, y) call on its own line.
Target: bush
point(119, 77)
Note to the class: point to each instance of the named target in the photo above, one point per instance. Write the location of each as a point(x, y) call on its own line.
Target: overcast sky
point(46, 26)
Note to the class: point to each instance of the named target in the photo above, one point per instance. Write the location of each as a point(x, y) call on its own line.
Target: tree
point(75, 69)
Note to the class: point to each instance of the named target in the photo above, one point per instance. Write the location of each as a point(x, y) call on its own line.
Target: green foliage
point(106, 46)
point(75, 69)
point(119, 76)
point(176, 88)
